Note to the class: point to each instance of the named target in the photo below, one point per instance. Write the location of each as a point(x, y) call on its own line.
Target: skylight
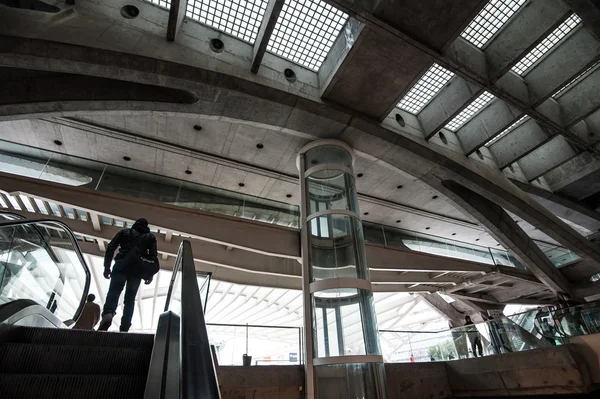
point(490, 20)
point(572, 82)
point(546, 45)
point(477, 105)
point(161, 3)
point(305, 32)
point(238, 18)
point(425, 89)
point(507, 130)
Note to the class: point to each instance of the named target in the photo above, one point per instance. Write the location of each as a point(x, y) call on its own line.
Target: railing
point(558, 325)
point(182, 363)
point(74, 171)
point(41, 261)
point(267, 345)
point(494, 337)
point(405, 239)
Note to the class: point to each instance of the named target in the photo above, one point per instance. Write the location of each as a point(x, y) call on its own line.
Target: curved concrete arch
point(251, 102)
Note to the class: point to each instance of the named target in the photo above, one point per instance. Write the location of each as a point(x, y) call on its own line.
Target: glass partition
point(268, 345)
point(493, 337)
point(59, 168)
point(40, 261)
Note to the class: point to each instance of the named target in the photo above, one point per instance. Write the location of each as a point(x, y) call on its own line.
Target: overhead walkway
point(44, 282)
point(244, 251)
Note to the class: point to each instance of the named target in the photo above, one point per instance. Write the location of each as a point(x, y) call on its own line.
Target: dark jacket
point(124, 239)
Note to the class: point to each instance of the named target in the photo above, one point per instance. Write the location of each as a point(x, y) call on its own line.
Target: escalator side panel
point(25, 312)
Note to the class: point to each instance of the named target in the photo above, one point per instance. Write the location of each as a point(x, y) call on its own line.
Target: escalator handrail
point(174, 276)
point(198, 375)
point(71, 235)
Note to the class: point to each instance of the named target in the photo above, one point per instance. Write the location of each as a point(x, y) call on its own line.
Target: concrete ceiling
point(384, 50)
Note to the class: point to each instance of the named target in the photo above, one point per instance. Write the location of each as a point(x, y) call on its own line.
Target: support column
point(337, 291)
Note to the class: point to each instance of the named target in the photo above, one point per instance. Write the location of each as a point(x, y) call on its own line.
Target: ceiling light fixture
point(359, 175)
point(241, 184)
point(197, 127)
point(58, 142)
point(260, 146)
point(188, 171)
point(126, 158)
point(399, 186)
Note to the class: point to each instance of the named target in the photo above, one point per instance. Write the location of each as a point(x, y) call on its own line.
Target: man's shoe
point(106, 321)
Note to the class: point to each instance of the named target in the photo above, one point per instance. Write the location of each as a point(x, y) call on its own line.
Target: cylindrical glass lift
point(343, 358)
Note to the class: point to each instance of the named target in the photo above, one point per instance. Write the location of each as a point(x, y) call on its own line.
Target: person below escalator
point(137, 260)
point(474, 337)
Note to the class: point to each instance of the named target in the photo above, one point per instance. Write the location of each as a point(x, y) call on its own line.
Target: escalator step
point(16, 386)
point(69, 359)
point(57, 336)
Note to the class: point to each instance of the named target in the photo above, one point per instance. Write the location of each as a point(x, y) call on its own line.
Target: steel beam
point(264, 33)
point(176, 15)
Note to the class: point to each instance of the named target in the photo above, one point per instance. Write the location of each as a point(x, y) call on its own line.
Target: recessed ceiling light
point(435, 197)
point(241, 184)
point(366, 213)
point(477, 239)
point(197, 127)
point(427, 228)
point(57, 142)
point(453, 234)
point(398, 221)
point(399, 186)
point(359, 175)
point(260, 146)
point(126, 158)
point(188, 172)
point(289, 195)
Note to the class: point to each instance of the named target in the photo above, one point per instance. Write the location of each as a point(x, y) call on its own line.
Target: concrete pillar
point(506, 231)
point(337, 289)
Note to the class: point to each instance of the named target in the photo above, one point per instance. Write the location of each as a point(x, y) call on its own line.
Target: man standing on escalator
point(137, 260)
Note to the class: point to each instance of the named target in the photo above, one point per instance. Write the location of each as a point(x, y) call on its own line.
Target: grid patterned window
point(563, 89)
point(238, 18)
point(161, 3)
point(490, 20)
point(466, 114)
point(544, 47)
point(426, 88)
point(507, 130)
point(305, 32)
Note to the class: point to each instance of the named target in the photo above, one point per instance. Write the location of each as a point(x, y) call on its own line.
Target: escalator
point(44, 281)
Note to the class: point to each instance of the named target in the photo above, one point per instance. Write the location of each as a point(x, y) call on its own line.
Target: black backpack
point(137, 262)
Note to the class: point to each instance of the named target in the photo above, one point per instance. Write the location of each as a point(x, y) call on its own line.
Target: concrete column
point(336, 283)
point(506, 231)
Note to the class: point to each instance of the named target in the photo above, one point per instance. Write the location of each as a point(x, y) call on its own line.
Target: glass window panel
point(546, 45)
point(350, 328)
point(490, 20)
point(161, 3)
point(352, 380)
point(509, 129)
point(305, 32)
point(470, 111)
point(337, 251)
point(237, 18)
point(426, 89)
point(331, 189)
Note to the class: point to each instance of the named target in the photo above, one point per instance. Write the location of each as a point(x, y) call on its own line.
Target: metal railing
point(182, 363)
point(38, 243)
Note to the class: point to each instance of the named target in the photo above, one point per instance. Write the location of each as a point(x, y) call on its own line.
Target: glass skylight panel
point(161, 3)
point(238, 18)
point(305, 32)
point(490, 20)
point(466, 114)
point(507, 130)
point(426, 88)
point(572, 82)
point(546, 45)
